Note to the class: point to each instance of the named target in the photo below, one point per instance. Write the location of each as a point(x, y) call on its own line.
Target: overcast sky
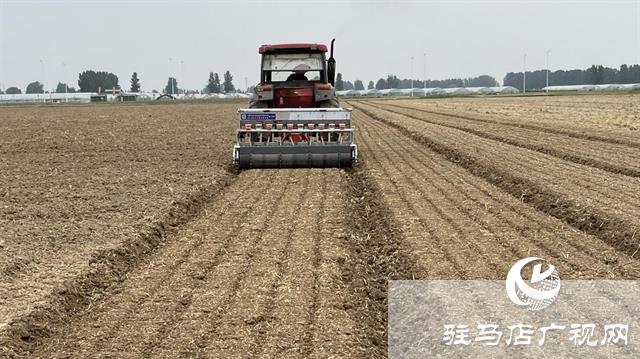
point(373, 38)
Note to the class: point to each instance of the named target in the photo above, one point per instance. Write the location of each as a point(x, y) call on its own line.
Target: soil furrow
point(240, 265)
point(582, 176)
point(150, 317)
point(379, 255)
point(521, 235)
point(452, 264)
point(459, 240)
point(571, 152)
point(257, 346)
point(307, 347)
point(604, 120)
point(165, 273)
point(557, 131)
point(610, 228)
point(108, 268)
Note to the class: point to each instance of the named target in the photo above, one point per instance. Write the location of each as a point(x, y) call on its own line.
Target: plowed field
point(124, 233)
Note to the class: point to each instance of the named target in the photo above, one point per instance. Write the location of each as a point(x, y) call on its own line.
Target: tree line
point(92, 81)
point(392, 81)
point(102, 81)
point(594, 75)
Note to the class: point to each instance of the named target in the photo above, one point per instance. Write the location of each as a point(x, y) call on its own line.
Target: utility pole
point(424, 70)
point(44, 76)
point(411, 76)
point(524, 74)
point(66, 86)
point(547, 88)
point(171, 74)
point(43, 73)
point(182, 74)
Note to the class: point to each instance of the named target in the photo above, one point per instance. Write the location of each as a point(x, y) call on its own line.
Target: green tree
point(348, 85)
point(13, 91)
point(228, 84)
point(62, 88)
point(94, 81)
point(484, 81)
point(597, 74)
point(358, 85)
point(381, 84)
point(172, 86)
point(35, 87)
point(339, 82)
point(393, 82)
point(213, 84)
point(135, 82)
point(371, 86)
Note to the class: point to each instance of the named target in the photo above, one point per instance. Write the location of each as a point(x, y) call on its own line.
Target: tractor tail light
point(263, 88)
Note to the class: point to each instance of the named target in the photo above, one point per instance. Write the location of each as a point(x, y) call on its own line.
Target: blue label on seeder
point(258, 116)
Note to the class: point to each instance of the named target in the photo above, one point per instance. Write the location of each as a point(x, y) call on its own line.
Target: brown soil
point(597, 202)
point(602, 154)
point(258, 274)
point(591, 116)
point(126, 234)
point(87, 190)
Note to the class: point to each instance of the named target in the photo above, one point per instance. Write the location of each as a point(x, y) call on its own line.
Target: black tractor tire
point(258, 104)
point(332, 103)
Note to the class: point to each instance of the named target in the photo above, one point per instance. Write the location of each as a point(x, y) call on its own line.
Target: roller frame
point(338, 151)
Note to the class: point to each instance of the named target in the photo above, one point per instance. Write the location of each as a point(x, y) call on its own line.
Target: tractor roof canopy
point(292, 47)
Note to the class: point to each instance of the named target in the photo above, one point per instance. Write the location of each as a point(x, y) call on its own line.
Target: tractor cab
point(295, 76)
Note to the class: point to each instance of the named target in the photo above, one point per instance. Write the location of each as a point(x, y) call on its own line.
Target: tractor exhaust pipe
point(331, 66)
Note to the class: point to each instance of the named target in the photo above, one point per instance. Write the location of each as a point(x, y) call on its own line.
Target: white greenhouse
point(47, 97)
point(580, 88)
point(419, 92)
point(628, 87)
point(390, 92)
point(606, 87)
point(346, 93)
point(456, 91)
point(433, 91)
point(480, 90)
point(504, 90)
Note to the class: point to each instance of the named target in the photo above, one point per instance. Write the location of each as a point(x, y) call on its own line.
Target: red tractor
point(294, 119)
point(295, 76)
